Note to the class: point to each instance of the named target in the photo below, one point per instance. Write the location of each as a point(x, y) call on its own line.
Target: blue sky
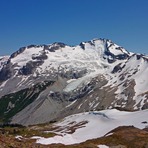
point(25, 22)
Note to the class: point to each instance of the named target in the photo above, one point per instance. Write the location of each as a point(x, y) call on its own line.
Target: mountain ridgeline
point(43, 83)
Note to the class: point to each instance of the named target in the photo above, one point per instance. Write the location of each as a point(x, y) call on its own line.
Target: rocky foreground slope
point(103, 129)
point(43, 83)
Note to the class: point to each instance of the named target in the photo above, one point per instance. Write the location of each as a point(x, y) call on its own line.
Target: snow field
point(99, 124)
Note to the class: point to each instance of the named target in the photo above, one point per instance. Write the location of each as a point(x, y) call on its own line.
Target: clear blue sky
point(25, 22)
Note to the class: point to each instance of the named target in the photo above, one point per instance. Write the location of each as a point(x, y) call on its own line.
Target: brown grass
point(125, 137)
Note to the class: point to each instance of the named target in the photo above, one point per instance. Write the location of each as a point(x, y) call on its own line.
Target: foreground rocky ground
point(121, 137)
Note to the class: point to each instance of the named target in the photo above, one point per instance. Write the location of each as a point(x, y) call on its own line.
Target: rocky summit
point(44, 83)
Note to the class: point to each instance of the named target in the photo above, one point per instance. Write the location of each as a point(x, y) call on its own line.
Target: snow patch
point(103, 146)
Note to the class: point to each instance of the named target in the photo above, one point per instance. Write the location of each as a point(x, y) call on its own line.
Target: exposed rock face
point(94, 75)
point(18, 52)
point(55, 46)
point(3, 62)
point(6, 72)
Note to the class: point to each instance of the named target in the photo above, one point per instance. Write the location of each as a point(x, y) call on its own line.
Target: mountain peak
point(37, 58)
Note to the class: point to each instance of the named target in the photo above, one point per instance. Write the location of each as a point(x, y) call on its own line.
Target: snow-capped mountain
point(40, 83)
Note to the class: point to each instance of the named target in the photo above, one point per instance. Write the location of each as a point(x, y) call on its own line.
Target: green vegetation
point(8, 136)
point(25, 132)
point(15, 102)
